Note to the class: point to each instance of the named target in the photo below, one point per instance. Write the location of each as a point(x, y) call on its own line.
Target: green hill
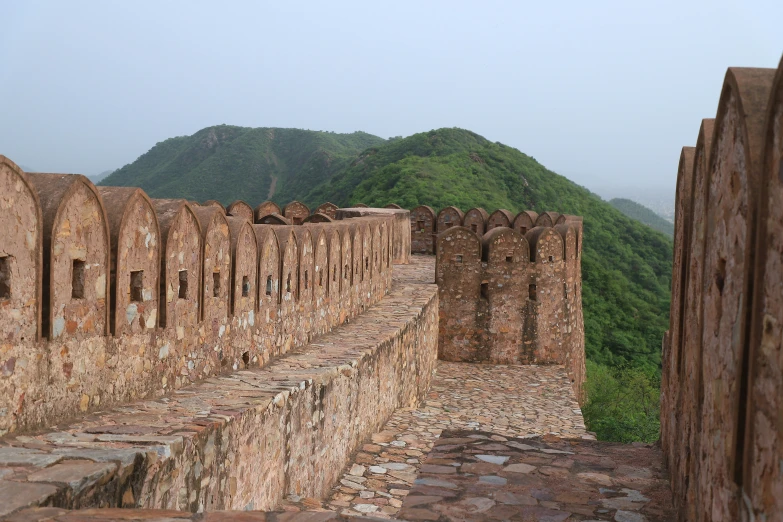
point(626, 265)
point(642, 214)
point(254, 164)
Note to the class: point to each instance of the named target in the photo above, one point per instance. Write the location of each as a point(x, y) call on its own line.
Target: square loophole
point(77, 279)
point(137, 286)
point(215, 284)
point(5, 277)
point(182, 293)
point(458, 259)
point(245, 286)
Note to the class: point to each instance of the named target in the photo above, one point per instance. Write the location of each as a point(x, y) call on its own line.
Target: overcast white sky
point(602, 92)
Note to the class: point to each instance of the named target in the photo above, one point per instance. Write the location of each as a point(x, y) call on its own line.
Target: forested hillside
point(254, 164)
point(626, 265)
point(642, 214)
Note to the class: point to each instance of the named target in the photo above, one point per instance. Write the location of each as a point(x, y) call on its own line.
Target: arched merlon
point(476, 220)
point(180, 263)
point(241, 209)
point(328, 209)
point(75, 256)
point(266, 208)
point(274, 219)
point(734, 176)
point(289, 263)
point(394, 206)
point(216, 268)
point(546, 245)
point(547, 219)
point(500, 218)
point(763, 452)
point(524, 221)
point(500, 244)
point(214, 203)
point(244, 265)
point(568, 234)
point(318, 217)
point(21, 255)
point(449, 217)
point(135, 259)
point(296, 211)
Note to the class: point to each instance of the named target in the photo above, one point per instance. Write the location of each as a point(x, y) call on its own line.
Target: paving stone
point(18, 495)
point(78, 475)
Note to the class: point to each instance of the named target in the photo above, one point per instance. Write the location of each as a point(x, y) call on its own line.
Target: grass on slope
point(642, 214)
point(229, 163)
point(626, 266)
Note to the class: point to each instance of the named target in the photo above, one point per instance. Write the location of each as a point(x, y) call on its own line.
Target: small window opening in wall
point(474, 227)
point(215, 284)
point(345, 273)
point(137, 286)
point(531, 291)
point(297, 221)
point(246, 358)
point(321, 278)
point(366, 263)
point(77, 279)
point(551, 258)
point(288, 284)
point(484, 290)
point(5, 277)
point(307, 280)
point(498, 225)
point(421, 224)
point(458, 258)
point(334, 274)
point(182, 293)
point(245, 286)
point(509, 258)
point(720, 275)
point(523, 230)
point(269, 285)
point(565, 289)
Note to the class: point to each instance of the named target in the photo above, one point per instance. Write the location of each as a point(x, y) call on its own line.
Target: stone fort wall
point(510, 287)
point(722, 390)
point(108, 296)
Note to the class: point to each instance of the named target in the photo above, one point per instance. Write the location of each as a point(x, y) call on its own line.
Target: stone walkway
point(509, 401)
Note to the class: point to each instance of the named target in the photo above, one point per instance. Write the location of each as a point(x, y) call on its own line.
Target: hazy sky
point(605, 93)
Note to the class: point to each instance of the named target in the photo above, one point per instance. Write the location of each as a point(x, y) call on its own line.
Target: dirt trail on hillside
point(272, 188)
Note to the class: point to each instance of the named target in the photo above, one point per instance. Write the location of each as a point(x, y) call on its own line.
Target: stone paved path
point(472, 475)
point(510, 401)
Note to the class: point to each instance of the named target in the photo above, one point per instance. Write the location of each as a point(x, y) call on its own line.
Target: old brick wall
point(721, 410)
point(475, 219)
point(296, 211)
point(242, 210)
point(266, 208)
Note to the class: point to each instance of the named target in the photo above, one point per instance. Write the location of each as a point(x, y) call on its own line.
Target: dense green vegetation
point(640, 213)
point(229, 163)
point(624, 403)
point(626, 266)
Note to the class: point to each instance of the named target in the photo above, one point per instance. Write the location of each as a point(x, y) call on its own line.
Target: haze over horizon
point(605, 94)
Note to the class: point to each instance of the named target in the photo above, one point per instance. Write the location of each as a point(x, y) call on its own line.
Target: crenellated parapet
point(722, 386)
point(507, 297)
point(109, 296)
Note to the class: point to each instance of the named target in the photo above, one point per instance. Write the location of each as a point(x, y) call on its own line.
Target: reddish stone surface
point(296, 211)
point(524, 221)
point(448, 217)
point(266, 208)
point(500, 218)
point(483, 476)
point(475, 219)
point(242, 210)
point(422, 230)
point(327, 209)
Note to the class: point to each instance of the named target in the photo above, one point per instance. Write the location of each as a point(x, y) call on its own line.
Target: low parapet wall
point(242, 441)
point(104, 304)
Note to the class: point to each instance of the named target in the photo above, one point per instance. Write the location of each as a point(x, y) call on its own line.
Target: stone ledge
point(240, 441)
point(153, 515)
